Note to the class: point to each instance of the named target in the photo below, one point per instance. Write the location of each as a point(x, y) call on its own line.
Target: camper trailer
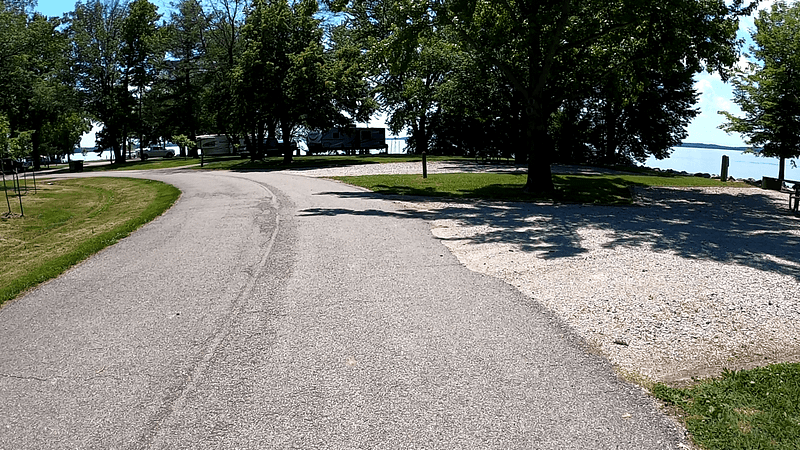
point(215, 144)
point(349, 141)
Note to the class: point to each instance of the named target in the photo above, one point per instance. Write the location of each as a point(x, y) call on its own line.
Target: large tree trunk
point(117, 150)
point(610, 118)
point(611, 134)
point(540, 178)
point(781, 170)
point(250, 145)
point(261, 142)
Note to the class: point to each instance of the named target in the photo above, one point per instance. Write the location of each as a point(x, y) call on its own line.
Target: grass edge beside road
point(237, 163)
point(747, 409)
point(51, 267)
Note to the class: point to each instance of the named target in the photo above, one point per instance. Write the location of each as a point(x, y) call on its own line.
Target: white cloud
point(713, 96)
point(723, 104)
point(765, 4)
point(704, 89)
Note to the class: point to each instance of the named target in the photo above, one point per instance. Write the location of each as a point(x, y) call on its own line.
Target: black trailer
point(348, 141)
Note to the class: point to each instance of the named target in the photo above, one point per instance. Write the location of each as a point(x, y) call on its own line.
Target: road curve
point(267, 310)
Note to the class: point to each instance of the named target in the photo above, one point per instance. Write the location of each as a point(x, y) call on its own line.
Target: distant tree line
point(579, 81)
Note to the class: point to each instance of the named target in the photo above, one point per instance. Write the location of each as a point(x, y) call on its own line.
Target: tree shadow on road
point(745, 227)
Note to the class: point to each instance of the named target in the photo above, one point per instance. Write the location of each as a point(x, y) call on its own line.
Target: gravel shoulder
point(682, 286)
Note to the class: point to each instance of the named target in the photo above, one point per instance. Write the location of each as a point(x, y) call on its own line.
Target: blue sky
point(59, 7)
point(714, 94)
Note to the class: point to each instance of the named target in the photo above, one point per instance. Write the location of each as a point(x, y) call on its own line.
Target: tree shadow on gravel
point(746, 227)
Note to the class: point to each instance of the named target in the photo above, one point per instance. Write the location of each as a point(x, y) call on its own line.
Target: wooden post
point(424, 165)
point(723, 173)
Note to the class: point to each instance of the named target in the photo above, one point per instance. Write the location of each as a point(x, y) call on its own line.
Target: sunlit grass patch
point(588, 189)
point(758, 408)
point(67, 221)
point(314, 162)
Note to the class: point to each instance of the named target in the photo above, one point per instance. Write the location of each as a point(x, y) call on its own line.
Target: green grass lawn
point(150, 164)
point(751, 409)
point(589, 189)
point(67, 221)
point(313, 162)
point(231, 162)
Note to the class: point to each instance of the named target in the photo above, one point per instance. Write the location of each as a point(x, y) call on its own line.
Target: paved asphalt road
point(271, 311)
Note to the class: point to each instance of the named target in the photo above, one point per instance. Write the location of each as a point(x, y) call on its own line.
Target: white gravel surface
point(687, 283)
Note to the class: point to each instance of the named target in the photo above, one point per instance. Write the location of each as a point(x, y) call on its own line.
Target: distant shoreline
point(713, 146)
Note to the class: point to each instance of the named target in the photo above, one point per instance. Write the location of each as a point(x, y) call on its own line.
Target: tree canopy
point(557, 80)
point(558, 51)
point(768, 89)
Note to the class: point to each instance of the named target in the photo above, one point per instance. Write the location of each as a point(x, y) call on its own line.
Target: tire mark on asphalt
point(178, 398)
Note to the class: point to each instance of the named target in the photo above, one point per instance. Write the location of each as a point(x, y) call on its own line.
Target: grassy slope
point(69, 220)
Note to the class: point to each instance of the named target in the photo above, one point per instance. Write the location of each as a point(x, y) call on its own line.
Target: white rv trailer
point(215, 144)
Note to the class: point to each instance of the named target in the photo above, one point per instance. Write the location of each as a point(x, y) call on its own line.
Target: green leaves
point(143, 43)
point(768, 90)
point(35, 83)
point(95, 34)
point(744, 409)
point(284, 77)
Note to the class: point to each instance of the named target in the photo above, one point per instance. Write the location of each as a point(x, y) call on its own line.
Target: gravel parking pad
point(686, 283)
point(689, 283)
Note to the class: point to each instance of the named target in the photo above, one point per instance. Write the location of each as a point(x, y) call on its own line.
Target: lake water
point(742, 165)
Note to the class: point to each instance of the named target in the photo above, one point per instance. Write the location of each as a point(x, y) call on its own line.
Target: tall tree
point(768, 91)
point(62, 135)
point(143, 47)
point(409, 58)
point(19, 6)
point(347, 77)
point(35, 87)
point(282, 80)
point(639, 112)
point(224, 46)
point(549, 50)
point(14, 61)
point(478, 111)
point(187, 47)
point(96, 37)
